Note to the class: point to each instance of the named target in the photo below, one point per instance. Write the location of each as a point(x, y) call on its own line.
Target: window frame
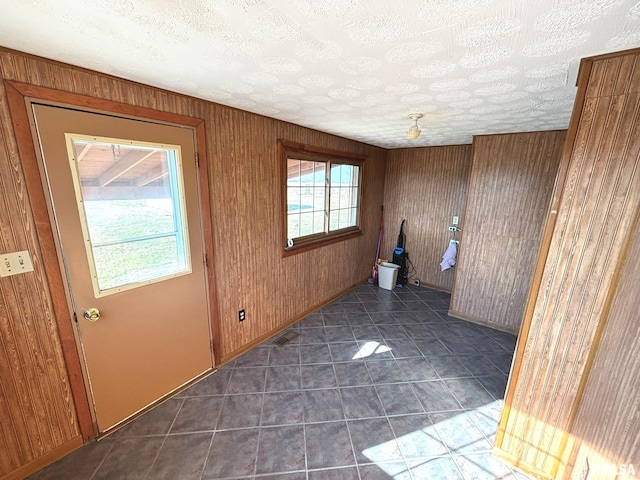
point(176, 185)
point(300, 151)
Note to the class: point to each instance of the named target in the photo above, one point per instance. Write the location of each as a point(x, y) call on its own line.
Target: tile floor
point(378, 385)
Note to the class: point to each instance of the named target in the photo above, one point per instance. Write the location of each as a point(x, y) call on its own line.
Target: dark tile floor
point(378, 385)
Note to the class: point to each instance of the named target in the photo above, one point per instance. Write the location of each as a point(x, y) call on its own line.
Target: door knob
point(91, 314)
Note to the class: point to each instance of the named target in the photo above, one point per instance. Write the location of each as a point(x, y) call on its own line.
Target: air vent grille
point(285, 338)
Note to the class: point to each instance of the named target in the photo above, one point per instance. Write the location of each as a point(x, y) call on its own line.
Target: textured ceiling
point(355, 68)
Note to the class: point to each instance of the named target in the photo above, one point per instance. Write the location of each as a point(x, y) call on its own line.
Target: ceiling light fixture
point(414, 131)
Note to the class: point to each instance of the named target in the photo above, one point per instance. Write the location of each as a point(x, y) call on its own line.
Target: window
point(131, 203)
point(322, 195)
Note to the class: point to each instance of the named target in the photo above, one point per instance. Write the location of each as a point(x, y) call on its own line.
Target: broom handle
point(381, 230)
point(381, 233)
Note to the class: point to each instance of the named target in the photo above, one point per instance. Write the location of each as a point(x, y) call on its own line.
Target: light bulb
point(413, 132)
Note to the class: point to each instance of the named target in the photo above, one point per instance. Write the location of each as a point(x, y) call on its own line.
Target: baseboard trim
point(47, 459)
point(274, 332)
point(484, 323)
point(518, 465)
point(435, 287)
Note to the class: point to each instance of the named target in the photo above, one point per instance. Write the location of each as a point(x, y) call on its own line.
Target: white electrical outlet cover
point(15, 263)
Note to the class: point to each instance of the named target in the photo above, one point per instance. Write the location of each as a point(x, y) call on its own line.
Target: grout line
point(103, 459)
point(346, 423)
point(259, 427)
point(206, 457)
point(304, 440)
point(156, 457)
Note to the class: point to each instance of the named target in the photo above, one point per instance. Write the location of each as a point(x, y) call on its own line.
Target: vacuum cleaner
point(400, 257)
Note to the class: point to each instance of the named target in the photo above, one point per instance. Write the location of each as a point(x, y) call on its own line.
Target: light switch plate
point(456, 219)
point(15, 263)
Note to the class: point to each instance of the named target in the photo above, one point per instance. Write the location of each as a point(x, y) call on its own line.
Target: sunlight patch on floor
point(371, 348)
point(464, 437)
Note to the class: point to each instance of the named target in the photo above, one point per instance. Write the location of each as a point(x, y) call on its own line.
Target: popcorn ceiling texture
point(354, 68)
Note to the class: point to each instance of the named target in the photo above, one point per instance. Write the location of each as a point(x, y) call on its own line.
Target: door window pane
point(131, 203)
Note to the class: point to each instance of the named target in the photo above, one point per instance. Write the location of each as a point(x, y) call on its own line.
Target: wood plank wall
point(425, 186)
point(37, 414)
point(36, 411)
point(606, 432)
point(581, 263)
point(510, 185)
point(252, 274)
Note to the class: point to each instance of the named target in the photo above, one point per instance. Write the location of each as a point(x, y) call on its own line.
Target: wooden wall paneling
point(425, 186)
point(606, 431)
point(242, 160)
point(223, 188)
point(510, 185)
point(40, 415)
point(48, 257)
point(280, 289)
point(600, 199)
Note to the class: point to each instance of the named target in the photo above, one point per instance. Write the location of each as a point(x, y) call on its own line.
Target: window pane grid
point(293, 172)
point(305, 197)
point(322, 197)
point(344, 197)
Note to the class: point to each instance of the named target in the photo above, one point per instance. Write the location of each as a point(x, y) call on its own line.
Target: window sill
point(311, 245)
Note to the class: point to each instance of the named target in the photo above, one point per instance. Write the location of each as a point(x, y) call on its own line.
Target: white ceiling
point(355, 68)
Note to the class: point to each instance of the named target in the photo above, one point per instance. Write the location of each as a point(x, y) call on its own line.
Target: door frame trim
point(19, 98)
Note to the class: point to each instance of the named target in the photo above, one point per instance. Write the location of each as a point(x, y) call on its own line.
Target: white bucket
point(387, 275)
